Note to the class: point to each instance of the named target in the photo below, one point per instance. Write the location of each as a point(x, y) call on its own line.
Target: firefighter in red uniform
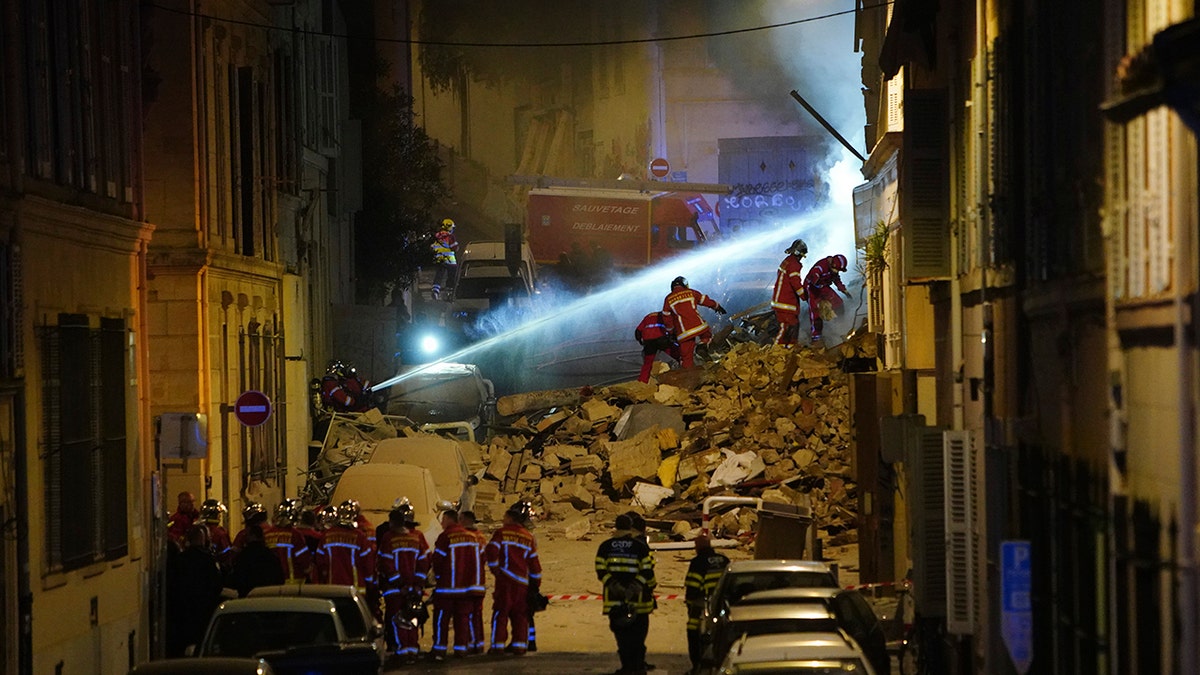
point(287, 542)
point(345, 556)
point(789, 291)
point(357, 390)
point(467, 520)
point(682, 305)
point(512, 557)
point(253, 514)
point(457, 569)
point(403, 566)
point(817, 286)
point(211, 512)
point(655, 334)
point(182, 520)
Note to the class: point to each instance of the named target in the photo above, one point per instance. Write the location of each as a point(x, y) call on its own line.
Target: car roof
point(305, 590)
point(276, 604)
point(785, 595)
point(794, 646)
point(794, 610)
point(214, 665)
point(778, 565)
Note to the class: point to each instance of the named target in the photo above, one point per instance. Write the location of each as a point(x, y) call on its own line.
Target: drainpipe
point(1189, 660)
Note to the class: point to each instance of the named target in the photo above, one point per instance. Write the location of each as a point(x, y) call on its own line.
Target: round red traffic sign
point(660, 167)
point(252, 408)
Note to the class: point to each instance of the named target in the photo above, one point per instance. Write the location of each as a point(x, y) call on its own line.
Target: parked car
point(747, 576)
point(357, 617)
point(442, 456)
point(294, 635)
point(799, 610)
point(202, 666)
point(378, 486)
point(816, 653)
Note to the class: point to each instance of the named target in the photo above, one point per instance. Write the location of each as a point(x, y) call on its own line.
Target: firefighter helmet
point(798, 248)
point(413, 614)
point(522, 511)
point(447, 225)
point(254, 513)
point(838, 262)
point(678, 281)
point(402, 512)
point(347, 513)
point(336, 367)
point(211, 511)
point(288, 512)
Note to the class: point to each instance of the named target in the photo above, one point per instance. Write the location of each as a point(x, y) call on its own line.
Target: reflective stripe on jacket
point(789, 285)
point(626, 560)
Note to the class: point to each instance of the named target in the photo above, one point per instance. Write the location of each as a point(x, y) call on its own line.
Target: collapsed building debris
point(763, 421)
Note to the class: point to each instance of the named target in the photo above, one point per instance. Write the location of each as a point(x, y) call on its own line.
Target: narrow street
point(573, 636)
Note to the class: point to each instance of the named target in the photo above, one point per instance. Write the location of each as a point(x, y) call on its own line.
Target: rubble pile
point(763, 421)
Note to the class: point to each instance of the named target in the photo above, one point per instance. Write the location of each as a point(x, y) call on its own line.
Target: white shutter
point(962, 535)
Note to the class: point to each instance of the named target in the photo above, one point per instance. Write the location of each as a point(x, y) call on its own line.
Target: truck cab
point(492, 275)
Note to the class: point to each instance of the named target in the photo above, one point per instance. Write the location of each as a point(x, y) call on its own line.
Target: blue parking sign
point(1016, 607)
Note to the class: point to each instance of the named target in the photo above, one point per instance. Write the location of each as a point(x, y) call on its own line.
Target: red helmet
point(838, 262)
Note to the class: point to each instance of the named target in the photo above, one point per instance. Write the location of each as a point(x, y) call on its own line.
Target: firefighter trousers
point(451, 610)
point(510, 604)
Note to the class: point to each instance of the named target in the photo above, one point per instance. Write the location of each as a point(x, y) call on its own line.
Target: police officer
point(625, 567)
point(702, 575)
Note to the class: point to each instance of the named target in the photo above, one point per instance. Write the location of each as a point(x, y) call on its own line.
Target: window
point(83, 441)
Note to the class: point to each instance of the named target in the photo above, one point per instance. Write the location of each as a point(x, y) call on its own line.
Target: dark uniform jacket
point(623, 562)
point(703, 573)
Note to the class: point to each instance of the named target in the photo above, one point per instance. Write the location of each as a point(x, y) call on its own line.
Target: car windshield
point(248, 633)
point(351, 616)
point(776, 626)
point(739, 584)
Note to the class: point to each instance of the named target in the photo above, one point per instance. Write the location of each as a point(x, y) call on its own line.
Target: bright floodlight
point(429, 344)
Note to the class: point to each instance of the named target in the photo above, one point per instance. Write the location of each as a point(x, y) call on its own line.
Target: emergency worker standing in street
point(702, 575)
point(211, 512)
point(656, 333)
point(182, 520)
point(444, 246)
point(467, 519)
point(789, 291)
point(404, 566)
point(457, 569)
point(345, 556)
point(682, 305)
point(288, 543)
point(254, 514)
point(512, 557)
point(626, 569)
point(823, 303)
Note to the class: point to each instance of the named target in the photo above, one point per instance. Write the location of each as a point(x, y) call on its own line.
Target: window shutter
point(962, 535)
point(924, 477)
point(924, 181)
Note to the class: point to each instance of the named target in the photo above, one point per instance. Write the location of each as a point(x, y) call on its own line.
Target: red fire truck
point(632, 228)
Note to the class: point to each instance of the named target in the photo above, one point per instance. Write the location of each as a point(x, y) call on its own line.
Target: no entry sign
point(252, 408)
point(660, 167)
